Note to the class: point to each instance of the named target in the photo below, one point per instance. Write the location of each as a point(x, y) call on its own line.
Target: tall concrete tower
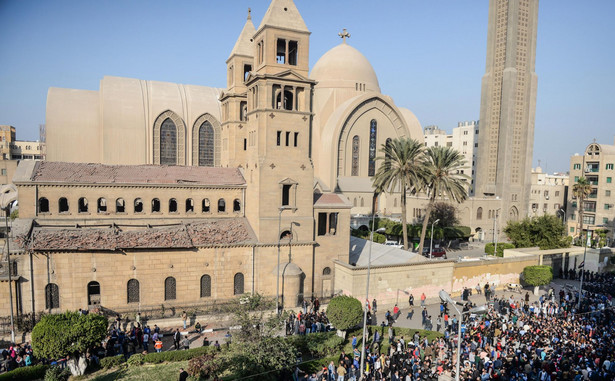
point(508, 106)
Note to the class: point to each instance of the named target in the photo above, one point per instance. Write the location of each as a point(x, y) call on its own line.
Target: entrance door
point(93, 293)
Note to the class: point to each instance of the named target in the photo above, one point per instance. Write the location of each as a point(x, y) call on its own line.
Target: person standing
point(158, 344)
point(341, 372)
point(184, 318)
point(183, 375)
point(374, 306)
point(145, 342)
point(176, 338)
point(423, 297)
point(411, 300)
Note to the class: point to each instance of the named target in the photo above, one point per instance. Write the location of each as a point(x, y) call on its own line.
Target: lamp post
point(587, 243)
point(369, 260)
point(431, 243)
point(445, 297)
point(277, 285)
point(495, 235)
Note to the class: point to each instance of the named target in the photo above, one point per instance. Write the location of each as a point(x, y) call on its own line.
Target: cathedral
point(161, 193)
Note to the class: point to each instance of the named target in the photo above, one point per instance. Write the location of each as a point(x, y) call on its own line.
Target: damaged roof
point(92, 173)
point(120, 237)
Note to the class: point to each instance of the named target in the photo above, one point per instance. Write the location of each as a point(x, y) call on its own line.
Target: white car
point(393, 244)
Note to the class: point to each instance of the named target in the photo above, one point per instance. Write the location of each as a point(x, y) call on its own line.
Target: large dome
point(345, 67)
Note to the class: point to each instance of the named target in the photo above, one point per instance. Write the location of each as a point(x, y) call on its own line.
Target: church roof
point(92, 173)
point(244, 45)
point(344, 66)
point(222, 231)
point(330, 200)
point(284, 14)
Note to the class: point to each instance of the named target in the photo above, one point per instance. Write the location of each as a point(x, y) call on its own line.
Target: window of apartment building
point(609, 166)
point(576, 166)
point(607, 206)
point(556, 193)
point(449, 144)
point(576, 179)
point(607, 193)
point(609, 180)
point(3, 172)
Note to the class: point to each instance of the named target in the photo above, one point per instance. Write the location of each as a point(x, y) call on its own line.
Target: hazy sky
point(429, 55)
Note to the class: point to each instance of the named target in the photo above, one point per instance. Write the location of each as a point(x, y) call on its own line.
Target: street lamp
point(495, 235)
point(445, 297)
point(277, 285)
point(431, 243)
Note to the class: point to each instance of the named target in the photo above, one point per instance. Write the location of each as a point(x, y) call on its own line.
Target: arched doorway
point(93, 293)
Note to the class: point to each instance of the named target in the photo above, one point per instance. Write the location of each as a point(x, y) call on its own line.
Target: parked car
point(437, 252)
point(394, 244)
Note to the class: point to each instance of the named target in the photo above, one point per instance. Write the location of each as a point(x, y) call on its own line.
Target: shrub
point(489, 248)
point(112, 361)
point(135, 360)
point(537, 275)
point(316, 365)
point(172, 356)
point(345, 312)
point(203, 367)
point(35, 372)
point(323, 344)
point(55, 373)
point(453, 232)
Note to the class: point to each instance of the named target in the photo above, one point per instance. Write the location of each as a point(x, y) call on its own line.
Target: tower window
point(287, 138)
point(246, 71)
point(280, 54)
point(243, 111)
point(279, 138)
point(286, 194)
point(292, 52)
point(296, 139)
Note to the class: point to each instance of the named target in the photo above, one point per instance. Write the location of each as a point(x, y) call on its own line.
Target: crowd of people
point(307, 320)
point(14, 357)
point(553, 338)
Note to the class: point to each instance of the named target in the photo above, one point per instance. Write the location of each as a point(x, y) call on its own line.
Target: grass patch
point(166, 371)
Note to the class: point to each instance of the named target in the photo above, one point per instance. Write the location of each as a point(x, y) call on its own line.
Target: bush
point(345, 312)
point(365, 234)
point(172, 356)
point(26, 373)
point(316, 365)
point(112, 361)
point(203, 367)
point(501, 247)
point(135, 360)
point(55, 373)
point(323, 344)
point(537, 275)
point(454, 232)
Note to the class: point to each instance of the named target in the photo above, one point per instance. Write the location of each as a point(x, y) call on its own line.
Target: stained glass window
point(205, 286)
point(52, 296)
point(168, 143)
point(355, 156)
point(371, 165)
point(132, 291)
point(206, 145)
point(169, 288)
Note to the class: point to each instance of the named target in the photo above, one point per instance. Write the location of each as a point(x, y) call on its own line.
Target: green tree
point(537, 275)
point(255, 348)
point(402, 170)
point(345, 312)
point(546, 232)
point(443, 179)
point(581, 190)
point(68, 334)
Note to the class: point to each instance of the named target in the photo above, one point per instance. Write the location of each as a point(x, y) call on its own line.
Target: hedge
point(172, 356)
point(111, 361)
point(537, 275)
point(501, 247)
point(25, 373)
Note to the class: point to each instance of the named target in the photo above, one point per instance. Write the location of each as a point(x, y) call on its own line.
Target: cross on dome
point(344, 35)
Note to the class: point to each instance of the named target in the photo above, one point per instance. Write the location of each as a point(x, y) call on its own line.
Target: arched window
point(373, 132)
point(236, 206)
point(132, 291)
point(206, 144)
point(286, 234)
point(326, 271)
point(52, 296)
point(172, 205)
point(362, 202)
point(43, 205)
point(355, 156)
point(101, 205)
point(155, 205)
point(205, 207)
point(138, 205)
point(83, 205)
point(120, 205)
point(221, 206)
point(168, 143)
point(354, 202)
point(205, 286)
point(479, 213)
point(169, 289)
point(93, 293)
point(387, 156)
point(238, 284)
point(63, 205)
point(189, 205)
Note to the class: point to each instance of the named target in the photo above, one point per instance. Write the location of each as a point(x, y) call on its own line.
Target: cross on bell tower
point(344, 35)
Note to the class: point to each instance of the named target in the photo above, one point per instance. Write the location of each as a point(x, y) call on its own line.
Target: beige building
point(13, 150)
point(597, 165)
point(548, 194)
point(197, 186)
point(508, 104)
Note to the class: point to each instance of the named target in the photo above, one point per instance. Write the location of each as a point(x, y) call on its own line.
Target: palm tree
point(580, 190)
point(403, 169)
point(443, 180)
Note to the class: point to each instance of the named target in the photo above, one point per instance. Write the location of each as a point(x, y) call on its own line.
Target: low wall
point(392, 284)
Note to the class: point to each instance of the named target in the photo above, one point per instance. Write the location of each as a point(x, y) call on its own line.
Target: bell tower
point(278, 167)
